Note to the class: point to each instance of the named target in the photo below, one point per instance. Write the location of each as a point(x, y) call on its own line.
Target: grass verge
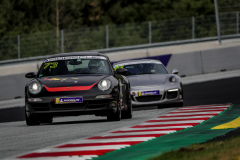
point(223, 149)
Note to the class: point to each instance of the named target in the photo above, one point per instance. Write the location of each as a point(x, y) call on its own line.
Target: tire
point(31, 121)
point(128, 114)
point(115, 116)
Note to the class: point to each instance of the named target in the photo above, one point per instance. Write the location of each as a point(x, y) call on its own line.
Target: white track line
point(87, 148)
point(188, 117)
point(177, 114)
point(173, 122)
point(141, 133)
point(167, 127)
point(87, 157)
point(197, 110)
point(114, 140)
point(204, 107)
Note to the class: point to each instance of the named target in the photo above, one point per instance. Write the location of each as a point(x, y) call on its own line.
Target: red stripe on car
point(74, 88)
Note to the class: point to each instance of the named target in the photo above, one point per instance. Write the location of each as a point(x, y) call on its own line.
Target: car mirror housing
point(174, 71)
point(31, 75)
point(121, 71)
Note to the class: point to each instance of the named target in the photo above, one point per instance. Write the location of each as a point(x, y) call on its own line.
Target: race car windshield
point(145, 68)
point(74, 66)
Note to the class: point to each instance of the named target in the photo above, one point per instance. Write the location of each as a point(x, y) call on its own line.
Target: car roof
point(136, 60)
point(78, 54)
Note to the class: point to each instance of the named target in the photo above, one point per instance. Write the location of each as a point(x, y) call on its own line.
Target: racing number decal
point(51, 64)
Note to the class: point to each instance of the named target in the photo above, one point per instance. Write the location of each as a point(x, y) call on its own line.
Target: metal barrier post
point(193, 27)
point(150, 32)
point(19, 55)
point(237, 16)
point(218, 24)
point(107, 37)
point(62, 33)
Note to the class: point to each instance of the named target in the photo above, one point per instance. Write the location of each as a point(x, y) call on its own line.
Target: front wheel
point(115, 116)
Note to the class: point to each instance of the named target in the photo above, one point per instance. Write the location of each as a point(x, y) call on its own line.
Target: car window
point(75, 66)
point(137, 68)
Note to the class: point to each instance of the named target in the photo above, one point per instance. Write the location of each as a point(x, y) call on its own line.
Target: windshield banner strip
point(72, 88)
point(74, 57)
point(130, 63)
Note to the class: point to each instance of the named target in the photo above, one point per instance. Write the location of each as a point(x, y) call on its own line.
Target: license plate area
point(68, 100)
point(149, 93)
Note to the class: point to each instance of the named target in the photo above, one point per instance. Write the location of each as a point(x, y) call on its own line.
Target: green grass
point(227, 149)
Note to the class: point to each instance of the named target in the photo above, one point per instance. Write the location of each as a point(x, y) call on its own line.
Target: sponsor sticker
point(147, 93)
point(74, 57)
point(47, 60)
point(69, 100)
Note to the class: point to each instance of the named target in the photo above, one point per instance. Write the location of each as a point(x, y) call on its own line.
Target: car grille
point(69, 106)
point(149, 98)
point(40, 106)
point(172, 95)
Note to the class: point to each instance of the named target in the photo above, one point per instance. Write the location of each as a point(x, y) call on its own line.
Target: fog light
point(172, 90)
point(103, 96)
point(34, 99)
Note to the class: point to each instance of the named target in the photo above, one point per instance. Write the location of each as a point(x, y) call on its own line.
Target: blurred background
point(36, 28)
point(199, 38)
point(182, 34)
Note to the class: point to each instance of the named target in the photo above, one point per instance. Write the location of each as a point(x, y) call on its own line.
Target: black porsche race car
point(71, 84)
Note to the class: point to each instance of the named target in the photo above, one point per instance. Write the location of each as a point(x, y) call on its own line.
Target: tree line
point(39, 23)
point(31, 16)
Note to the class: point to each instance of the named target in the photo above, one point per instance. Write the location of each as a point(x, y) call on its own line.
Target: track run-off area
point(90, 137)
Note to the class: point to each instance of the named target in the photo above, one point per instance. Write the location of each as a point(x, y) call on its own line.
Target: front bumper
point(168, 94)
point(47, 107)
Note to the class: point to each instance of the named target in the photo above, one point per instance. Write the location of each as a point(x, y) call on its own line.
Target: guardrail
point(121, 37)
point(118, 49)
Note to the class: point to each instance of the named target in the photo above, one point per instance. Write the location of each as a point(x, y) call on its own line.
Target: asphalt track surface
point(17, 138)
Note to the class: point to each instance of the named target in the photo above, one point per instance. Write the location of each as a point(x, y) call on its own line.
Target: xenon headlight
point(34, 88)
point(104, 85)
point(173, 80)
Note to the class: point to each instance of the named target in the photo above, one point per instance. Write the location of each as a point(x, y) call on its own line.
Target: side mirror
point(31, 75)
point(174, 71)
point(121, 71)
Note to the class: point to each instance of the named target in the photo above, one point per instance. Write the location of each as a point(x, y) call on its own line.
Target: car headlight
point(104, 85)
point(173, 80)
point(34, 88)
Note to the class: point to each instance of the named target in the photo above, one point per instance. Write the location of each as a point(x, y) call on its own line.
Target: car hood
point(70, 80)
point(147, 79)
